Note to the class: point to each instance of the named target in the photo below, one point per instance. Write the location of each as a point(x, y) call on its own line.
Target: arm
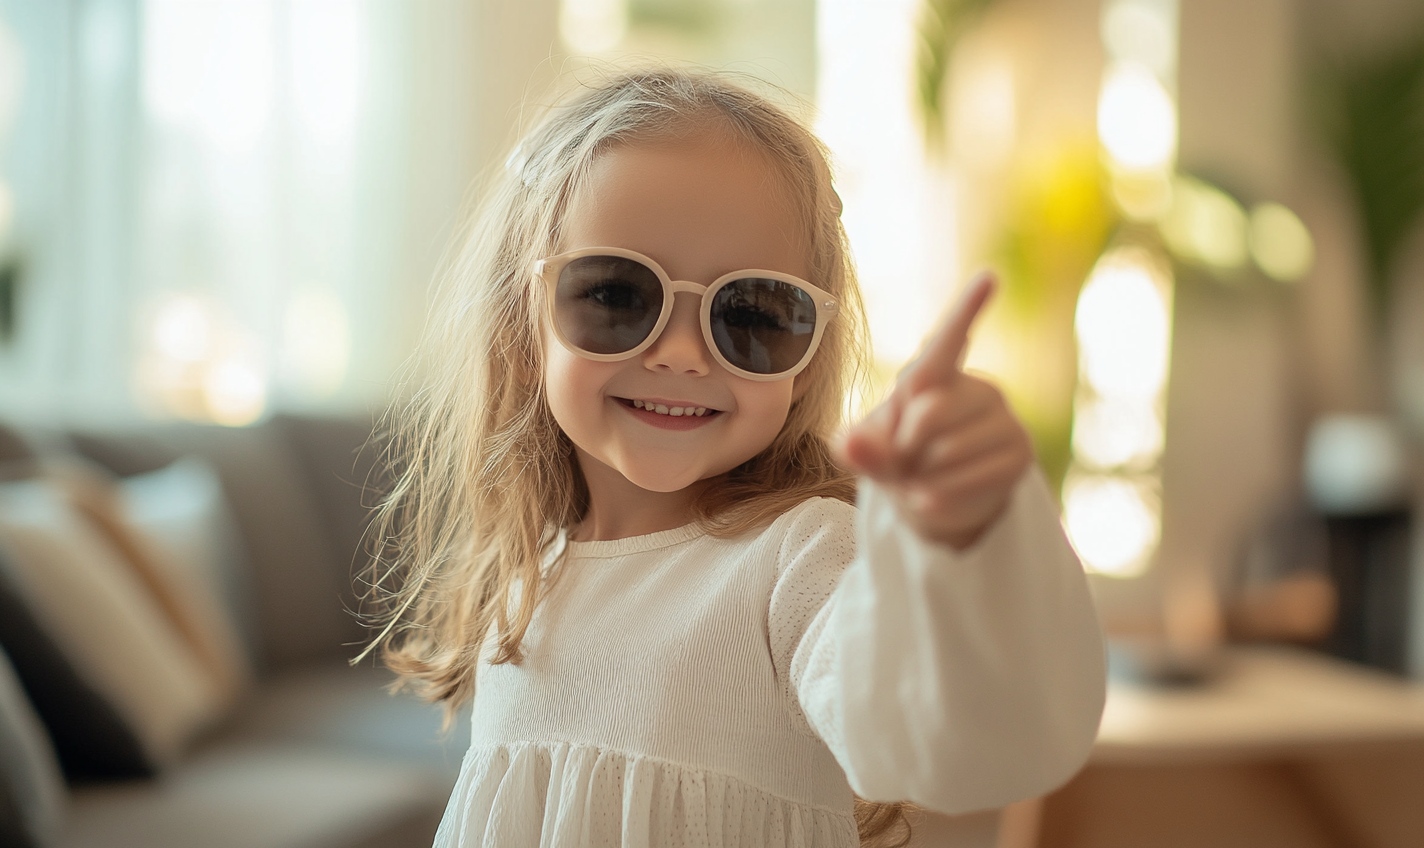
point(960, 680)
point(958, 663)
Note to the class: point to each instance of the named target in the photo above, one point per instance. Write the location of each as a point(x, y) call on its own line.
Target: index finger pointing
point(940, 360)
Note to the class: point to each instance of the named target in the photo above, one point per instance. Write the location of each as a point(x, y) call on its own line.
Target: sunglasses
point(609, 304)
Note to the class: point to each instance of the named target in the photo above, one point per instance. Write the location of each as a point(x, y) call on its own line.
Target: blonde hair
point(483, 476)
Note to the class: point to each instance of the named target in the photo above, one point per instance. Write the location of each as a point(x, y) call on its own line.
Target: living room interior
point(222, 222)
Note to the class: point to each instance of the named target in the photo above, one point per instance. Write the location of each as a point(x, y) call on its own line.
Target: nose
point(680, 349)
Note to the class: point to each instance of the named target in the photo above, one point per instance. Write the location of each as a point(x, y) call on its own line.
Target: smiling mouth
point(671, 411)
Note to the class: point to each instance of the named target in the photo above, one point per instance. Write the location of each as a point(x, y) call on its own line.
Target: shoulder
point(822, 528)
point(813, 516)
point(816, 544)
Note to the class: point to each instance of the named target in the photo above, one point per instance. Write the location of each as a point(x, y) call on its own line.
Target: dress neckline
point(633, 544)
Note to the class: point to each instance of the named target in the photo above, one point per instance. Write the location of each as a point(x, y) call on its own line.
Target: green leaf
point(941, 24)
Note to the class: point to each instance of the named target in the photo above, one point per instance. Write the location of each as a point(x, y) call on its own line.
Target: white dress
point(679, 689)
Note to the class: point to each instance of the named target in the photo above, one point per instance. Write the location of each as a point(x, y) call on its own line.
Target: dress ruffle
point(557, 794)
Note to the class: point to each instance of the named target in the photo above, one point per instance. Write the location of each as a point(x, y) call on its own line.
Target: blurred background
point(220, 221)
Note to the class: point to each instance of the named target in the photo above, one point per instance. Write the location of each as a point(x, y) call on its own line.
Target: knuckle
point(991, 392)
point(938, 504)
point(944, 400)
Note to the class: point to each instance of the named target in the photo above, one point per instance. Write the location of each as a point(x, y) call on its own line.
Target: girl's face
point(700, 208)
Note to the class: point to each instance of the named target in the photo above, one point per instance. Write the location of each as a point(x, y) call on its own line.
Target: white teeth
point(676, 411)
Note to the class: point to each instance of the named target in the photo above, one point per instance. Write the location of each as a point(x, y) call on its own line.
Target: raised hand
point(944, 444)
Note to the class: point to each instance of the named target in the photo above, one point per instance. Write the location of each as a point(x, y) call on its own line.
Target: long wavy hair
point(483, 479)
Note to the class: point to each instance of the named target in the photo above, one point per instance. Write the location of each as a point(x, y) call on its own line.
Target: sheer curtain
point(228, 207)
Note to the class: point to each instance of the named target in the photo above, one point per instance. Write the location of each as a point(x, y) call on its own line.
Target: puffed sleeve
point(960, 680)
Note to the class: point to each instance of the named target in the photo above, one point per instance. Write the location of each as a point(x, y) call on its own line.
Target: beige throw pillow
point(171, 528)
point(109, 624)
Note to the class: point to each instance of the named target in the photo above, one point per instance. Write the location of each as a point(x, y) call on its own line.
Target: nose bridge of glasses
point(679, 345)
point(678, 286)
point(689, 309)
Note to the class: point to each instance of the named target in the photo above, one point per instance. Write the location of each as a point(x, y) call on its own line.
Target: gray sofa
point(318, 754)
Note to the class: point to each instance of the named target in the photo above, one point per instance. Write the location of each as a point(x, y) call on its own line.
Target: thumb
point(869, 447)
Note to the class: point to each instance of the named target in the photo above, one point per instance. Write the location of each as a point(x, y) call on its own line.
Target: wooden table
point(1282, 747)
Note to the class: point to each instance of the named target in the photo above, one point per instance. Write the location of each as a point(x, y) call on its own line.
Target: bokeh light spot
point(1123, 329)
point(1137, 120)
point(1205, 225)
point(1113, 523)
point(1280, 242)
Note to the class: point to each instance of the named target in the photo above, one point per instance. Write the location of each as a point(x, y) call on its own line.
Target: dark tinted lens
point(763, 326)
point(607, 304)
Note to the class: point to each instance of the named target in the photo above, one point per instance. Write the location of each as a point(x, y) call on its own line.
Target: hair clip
point(836, 196)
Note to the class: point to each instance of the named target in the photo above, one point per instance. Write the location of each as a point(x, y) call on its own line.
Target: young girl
point(621, 527)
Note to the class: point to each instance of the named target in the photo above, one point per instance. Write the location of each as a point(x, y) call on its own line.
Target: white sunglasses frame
point(547, 271)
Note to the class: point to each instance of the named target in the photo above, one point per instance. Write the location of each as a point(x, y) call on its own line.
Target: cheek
point(569, 390)
point(764, 408)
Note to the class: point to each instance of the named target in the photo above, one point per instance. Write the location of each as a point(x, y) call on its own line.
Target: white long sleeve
point(681, 689)
point(958, 680)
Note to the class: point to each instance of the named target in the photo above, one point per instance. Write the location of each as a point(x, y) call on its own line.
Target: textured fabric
point(994, 656)
point(530, 794)
point(680, 689)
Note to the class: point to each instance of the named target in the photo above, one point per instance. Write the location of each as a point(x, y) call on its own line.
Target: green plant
point(941, 24)
point(1370, 114)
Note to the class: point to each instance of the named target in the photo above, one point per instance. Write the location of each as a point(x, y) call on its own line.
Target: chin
point(662, 478)
point(663, 482)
